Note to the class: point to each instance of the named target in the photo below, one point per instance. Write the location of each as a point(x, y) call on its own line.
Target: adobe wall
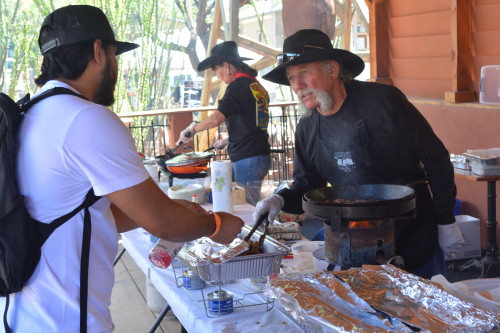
point(463, 127)
point(420, 53)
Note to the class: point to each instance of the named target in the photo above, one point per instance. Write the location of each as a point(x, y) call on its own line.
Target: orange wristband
point(217, 224)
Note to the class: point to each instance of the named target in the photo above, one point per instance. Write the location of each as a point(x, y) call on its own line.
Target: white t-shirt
point(67, 146)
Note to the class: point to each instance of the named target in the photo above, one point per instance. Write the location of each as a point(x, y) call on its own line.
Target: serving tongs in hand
point(262, 238)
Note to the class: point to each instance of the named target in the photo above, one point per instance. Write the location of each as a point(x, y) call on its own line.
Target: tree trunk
point(310, 14)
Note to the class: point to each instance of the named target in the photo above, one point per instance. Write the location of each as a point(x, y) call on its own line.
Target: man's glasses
point(289, 56)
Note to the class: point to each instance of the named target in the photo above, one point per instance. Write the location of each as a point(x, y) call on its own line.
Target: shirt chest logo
point(344, 161)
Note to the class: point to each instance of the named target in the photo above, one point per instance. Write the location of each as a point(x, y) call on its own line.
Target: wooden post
point(347, 24)
point(202, 140)
point(461, 53)
point(379, 41)
point(212, 40)
point(234, 22)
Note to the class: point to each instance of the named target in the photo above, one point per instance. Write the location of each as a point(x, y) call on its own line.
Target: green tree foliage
point(144, 83)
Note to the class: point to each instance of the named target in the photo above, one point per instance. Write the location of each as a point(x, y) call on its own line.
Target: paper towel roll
point(221, 186)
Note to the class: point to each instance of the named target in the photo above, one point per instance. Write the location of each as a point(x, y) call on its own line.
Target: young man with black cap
point(356, 132)
point(70, 144)
point(244, 108)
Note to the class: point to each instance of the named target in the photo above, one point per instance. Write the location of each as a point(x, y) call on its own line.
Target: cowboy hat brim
point(351, 62)
point(219, 59)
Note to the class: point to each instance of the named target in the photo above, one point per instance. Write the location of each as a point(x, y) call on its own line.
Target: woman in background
point(245, 110)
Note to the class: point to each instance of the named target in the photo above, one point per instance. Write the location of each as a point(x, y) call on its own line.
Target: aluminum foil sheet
point(216, 263)
point(204, 250)
point(325, 300)
point(416, 301)
point(460, 161)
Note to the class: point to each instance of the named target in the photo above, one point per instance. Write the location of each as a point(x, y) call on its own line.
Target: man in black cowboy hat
point(356, 132)
point(77, 143)
point(244, 109)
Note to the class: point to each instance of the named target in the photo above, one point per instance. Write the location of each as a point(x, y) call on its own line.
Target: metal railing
point(150, 130)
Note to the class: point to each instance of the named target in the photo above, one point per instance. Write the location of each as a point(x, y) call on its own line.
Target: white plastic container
point(307, 246)
point(186, 192)
point(303, 255)
point(489, 85)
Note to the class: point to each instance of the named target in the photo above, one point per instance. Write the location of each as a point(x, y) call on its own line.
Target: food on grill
point(348, 201)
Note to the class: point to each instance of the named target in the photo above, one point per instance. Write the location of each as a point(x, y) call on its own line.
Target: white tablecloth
point(250, 315)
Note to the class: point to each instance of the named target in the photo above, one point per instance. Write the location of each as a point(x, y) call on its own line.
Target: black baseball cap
point(79, 23)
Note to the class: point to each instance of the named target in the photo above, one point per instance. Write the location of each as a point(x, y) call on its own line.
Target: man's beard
point(324, 100)
point(105, 94)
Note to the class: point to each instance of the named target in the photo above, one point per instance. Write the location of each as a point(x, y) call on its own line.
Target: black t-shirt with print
point(246, 108)
point(378, 137)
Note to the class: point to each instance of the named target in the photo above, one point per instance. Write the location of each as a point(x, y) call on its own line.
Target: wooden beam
point(379, 41)
point(255, 46)
point(461, 53)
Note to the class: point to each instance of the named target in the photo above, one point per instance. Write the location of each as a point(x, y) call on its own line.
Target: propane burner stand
point(359, 220)
point(172, 175)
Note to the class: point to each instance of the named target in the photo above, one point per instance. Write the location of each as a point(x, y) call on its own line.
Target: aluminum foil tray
point(484, 156)
point(241, 267)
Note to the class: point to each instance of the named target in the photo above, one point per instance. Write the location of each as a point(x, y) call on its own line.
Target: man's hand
point(271, 205)
point(187, 134)
point(230, 228)
point(450, 238)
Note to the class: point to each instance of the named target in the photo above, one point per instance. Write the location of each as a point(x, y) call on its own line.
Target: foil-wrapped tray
point(240, 267)
point(378, 298)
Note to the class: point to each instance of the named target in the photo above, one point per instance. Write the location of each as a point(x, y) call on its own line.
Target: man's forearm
point(122, 221)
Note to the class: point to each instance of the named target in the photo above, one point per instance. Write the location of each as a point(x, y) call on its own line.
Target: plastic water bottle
point(194, 198)
point(164, 252)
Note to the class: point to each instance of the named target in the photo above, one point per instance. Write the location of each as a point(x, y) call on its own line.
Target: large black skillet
point(359, 202)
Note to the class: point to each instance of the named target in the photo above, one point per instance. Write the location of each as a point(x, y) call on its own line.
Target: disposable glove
point(221, 144)
point(187, 134)
point(271, 205)
point(450, 238)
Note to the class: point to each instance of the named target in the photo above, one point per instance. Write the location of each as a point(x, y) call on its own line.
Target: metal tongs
point(264, 233)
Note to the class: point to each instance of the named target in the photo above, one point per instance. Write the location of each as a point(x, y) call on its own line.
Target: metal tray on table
point(240, 267)
point(489, 156)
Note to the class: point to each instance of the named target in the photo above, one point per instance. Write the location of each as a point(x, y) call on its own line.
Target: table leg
point(491, 246)
point(491, 257)
point(119, 256)
point(160, 318)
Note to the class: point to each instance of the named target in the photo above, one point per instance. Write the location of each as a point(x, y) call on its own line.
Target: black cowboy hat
point(223, 52)
point(311, 45)
point(79, 23)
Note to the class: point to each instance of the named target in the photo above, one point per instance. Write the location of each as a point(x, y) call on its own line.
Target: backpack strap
point(25, 103)
point(45, 230)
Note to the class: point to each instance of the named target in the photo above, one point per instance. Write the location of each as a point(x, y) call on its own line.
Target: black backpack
point(21, 237)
